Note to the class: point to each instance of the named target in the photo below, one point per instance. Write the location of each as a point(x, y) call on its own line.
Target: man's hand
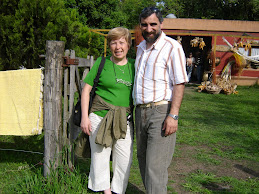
point(170, 126)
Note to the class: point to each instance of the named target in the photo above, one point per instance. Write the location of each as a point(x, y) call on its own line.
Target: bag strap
point(96, 79)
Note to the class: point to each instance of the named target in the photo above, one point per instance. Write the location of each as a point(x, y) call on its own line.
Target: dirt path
point(184, 164)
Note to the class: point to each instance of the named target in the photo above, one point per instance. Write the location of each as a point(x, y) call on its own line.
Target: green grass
point(205, 157)
point(200, 182)
point(226, 127)
point(227, 124)
point(218, 127)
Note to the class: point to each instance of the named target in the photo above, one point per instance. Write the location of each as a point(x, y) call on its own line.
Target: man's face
point(150, 28)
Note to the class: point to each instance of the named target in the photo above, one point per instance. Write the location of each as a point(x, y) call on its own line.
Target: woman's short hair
point(117, 33)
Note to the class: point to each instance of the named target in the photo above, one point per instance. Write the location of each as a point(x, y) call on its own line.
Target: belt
point(153, 104)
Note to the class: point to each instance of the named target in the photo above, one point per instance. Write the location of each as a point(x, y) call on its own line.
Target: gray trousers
point(154, 150)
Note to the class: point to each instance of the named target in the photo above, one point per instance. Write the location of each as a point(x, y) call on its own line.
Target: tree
point(102, 14)
point(170, 6)
point(25, 25)
point(132, 9)
point(7, 11)
point(25, 29)
point(220, 9)
point(241, 9)
point(107, 14)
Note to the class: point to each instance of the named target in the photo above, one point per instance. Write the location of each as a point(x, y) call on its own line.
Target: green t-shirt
point(108, 89)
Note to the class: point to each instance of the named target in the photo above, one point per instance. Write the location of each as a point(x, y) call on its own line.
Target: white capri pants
point(122, 151)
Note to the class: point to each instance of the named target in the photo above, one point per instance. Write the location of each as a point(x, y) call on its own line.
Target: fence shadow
point(83, 165)
point(22, 149)
point(133, 189)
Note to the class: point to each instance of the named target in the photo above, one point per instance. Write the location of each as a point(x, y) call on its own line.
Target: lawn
point(217, 151)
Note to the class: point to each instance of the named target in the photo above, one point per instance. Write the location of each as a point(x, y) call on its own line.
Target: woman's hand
point(86, 125)
point(85, 121)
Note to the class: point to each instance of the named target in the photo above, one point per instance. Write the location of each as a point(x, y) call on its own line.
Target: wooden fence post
point(72, 89)
point(53, 104)
point(65, 104)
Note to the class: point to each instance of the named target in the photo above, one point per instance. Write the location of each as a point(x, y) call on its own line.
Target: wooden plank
point(222, 48)
point(72, 90)
point(86, 71)
point(65, 103)
point(72, 85)
point(191, 24)
point(53, 104)
point(69, 90)
point(83, 62)
point(91, 62)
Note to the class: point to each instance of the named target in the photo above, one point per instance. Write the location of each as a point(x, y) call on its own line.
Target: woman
point(189, 64)
point(107, 124)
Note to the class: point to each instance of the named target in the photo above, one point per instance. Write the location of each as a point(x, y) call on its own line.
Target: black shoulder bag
point(77, 110)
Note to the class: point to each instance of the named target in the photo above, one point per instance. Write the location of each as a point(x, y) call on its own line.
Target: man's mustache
point(149, 33)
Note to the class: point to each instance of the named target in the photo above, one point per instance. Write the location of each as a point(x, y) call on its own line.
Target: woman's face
point(119, 48)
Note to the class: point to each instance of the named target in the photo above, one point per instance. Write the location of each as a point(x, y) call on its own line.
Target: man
point(158, 91)
point(198, 66)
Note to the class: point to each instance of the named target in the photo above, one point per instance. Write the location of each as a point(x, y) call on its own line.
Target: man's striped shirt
point(158, 69)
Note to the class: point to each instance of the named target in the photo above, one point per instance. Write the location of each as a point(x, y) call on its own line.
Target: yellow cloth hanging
point(21, 102)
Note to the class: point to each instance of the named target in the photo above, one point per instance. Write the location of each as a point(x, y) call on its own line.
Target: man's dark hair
point(148, 11)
